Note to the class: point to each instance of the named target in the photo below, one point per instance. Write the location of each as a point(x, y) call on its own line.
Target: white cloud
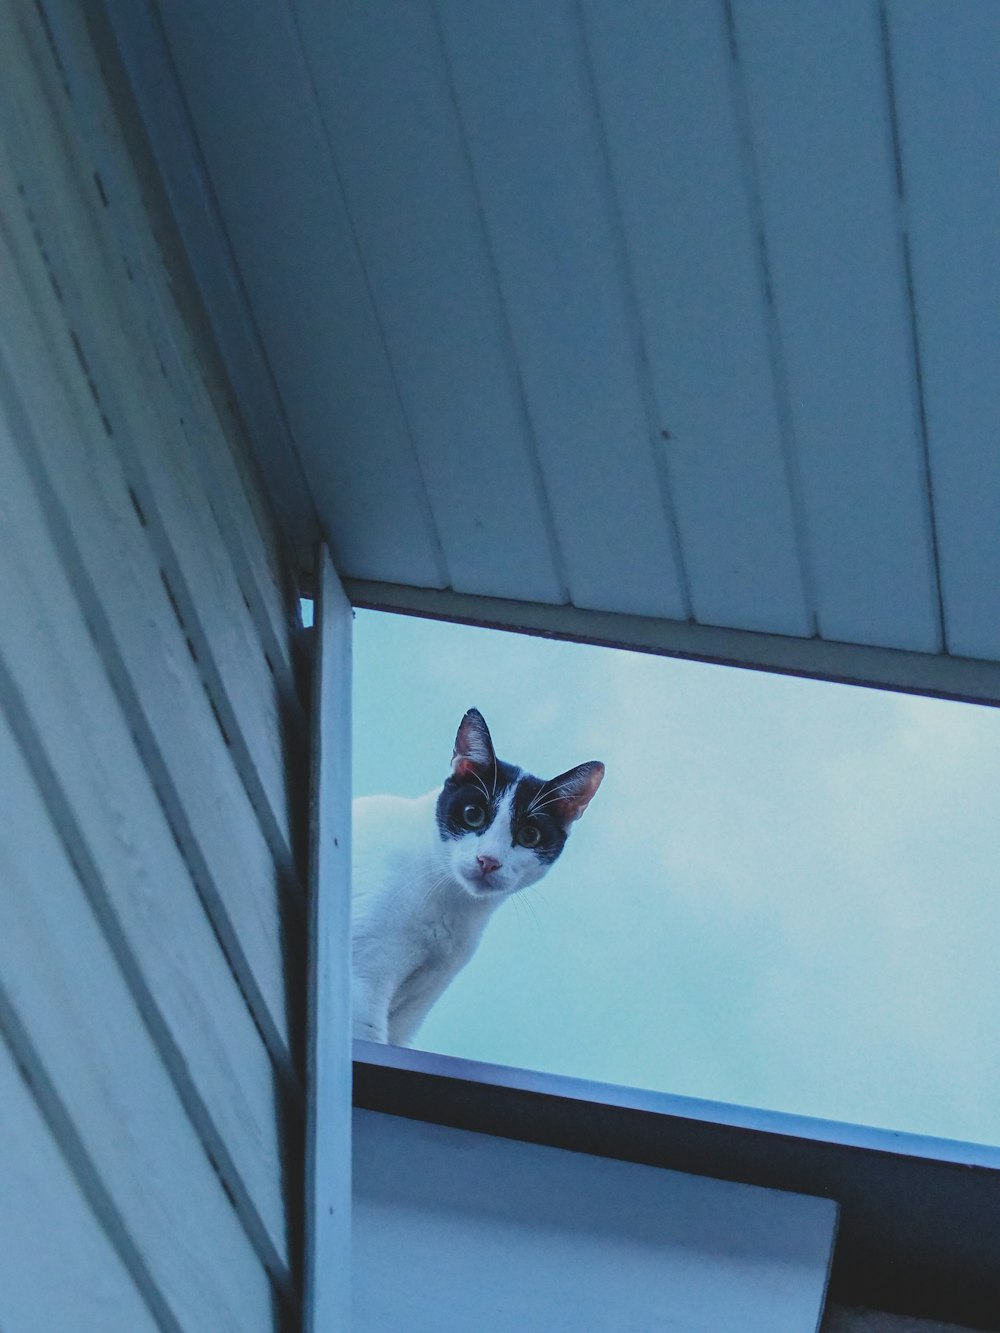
point(785, 893)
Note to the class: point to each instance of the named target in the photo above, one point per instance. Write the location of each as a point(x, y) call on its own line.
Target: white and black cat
point(429, 873)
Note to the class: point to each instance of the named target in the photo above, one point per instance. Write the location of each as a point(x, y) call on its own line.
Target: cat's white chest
point(444, 936)
point(414, 926)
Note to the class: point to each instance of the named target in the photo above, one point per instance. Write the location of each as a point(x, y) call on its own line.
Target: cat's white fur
point(421, 902)
point(420, 908)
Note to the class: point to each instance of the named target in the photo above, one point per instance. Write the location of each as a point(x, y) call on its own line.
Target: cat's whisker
point(552, 793)
point(533, 914)
point(437, 884)
point(408, 885)
point(541, 805)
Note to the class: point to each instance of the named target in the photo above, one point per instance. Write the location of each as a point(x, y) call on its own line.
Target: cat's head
point(501, 827)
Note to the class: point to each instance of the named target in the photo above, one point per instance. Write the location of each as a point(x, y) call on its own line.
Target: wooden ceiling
point(670, 309)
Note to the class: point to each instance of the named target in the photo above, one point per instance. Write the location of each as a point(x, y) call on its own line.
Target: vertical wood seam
point(788, 446)
point(328, 1203)
point(508, 340)
point(913, 326)
point(627, 281)
point(426, 504)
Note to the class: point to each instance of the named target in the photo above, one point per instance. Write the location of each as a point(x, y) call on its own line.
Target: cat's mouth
point(482, 884)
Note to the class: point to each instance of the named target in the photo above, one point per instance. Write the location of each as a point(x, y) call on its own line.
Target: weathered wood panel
point(526, 108)
point(327, 1295)
point(142, 79)
point(151, 978)
point(58, 1269)
point(821, 129)
point(83, 756)
point(147, 421)
point(94, 523)
point(663, 82)
point(73, 1025)
point(138, 213)
point(946, 65)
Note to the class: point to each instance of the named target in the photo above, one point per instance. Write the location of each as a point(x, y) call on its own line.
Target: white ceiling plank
point(259, 129)
point(534, 142)
point(663, 79)
point(946, 63)
point(382, 85)
point(819, 112)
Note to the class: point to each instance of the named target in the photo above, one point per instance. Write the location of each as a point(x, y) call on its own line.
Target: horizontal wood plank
point(86, 762)
point(58, 1268)
point(73, 1026)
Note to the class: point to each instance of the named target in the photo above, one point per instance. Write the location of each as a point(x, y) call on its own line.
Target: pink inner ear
point(582, 784)
point(473, 746)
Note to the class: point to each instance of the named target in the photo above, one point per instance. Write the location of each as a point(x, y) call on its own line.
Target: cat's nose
point(487, 864)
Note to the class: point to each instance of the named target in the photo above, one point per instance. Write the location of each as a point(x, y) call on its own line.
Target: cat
point(429, 873)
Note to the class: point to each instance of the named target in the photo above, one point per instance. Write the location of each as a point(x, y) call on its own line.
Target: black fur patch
point(544, 817)
point(487, 791)
point(458, 793)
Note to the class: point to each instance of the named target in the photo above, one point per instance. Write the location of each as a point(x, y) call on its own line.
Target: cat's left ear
point(473, 746)
point(572, 792)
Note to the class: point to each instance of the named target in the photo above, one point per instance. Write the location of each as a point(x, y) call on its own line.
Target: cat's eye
point(473, 815)
point(529, 835)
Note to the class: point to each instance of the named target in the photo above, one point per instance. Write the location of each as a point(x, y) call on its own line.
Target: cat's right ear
point(473, 746)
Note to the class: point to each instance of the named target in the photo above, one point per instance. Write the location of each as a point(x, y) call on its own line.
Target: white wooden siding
point(327, 1294)
point(682, 309)
point(72, 1022)
point(82, 753)
point(55, 1262)
point(152, 1004)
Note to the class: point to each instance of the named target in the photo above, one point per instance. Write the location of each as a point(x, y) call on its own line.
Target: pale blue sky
point(785, 893)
